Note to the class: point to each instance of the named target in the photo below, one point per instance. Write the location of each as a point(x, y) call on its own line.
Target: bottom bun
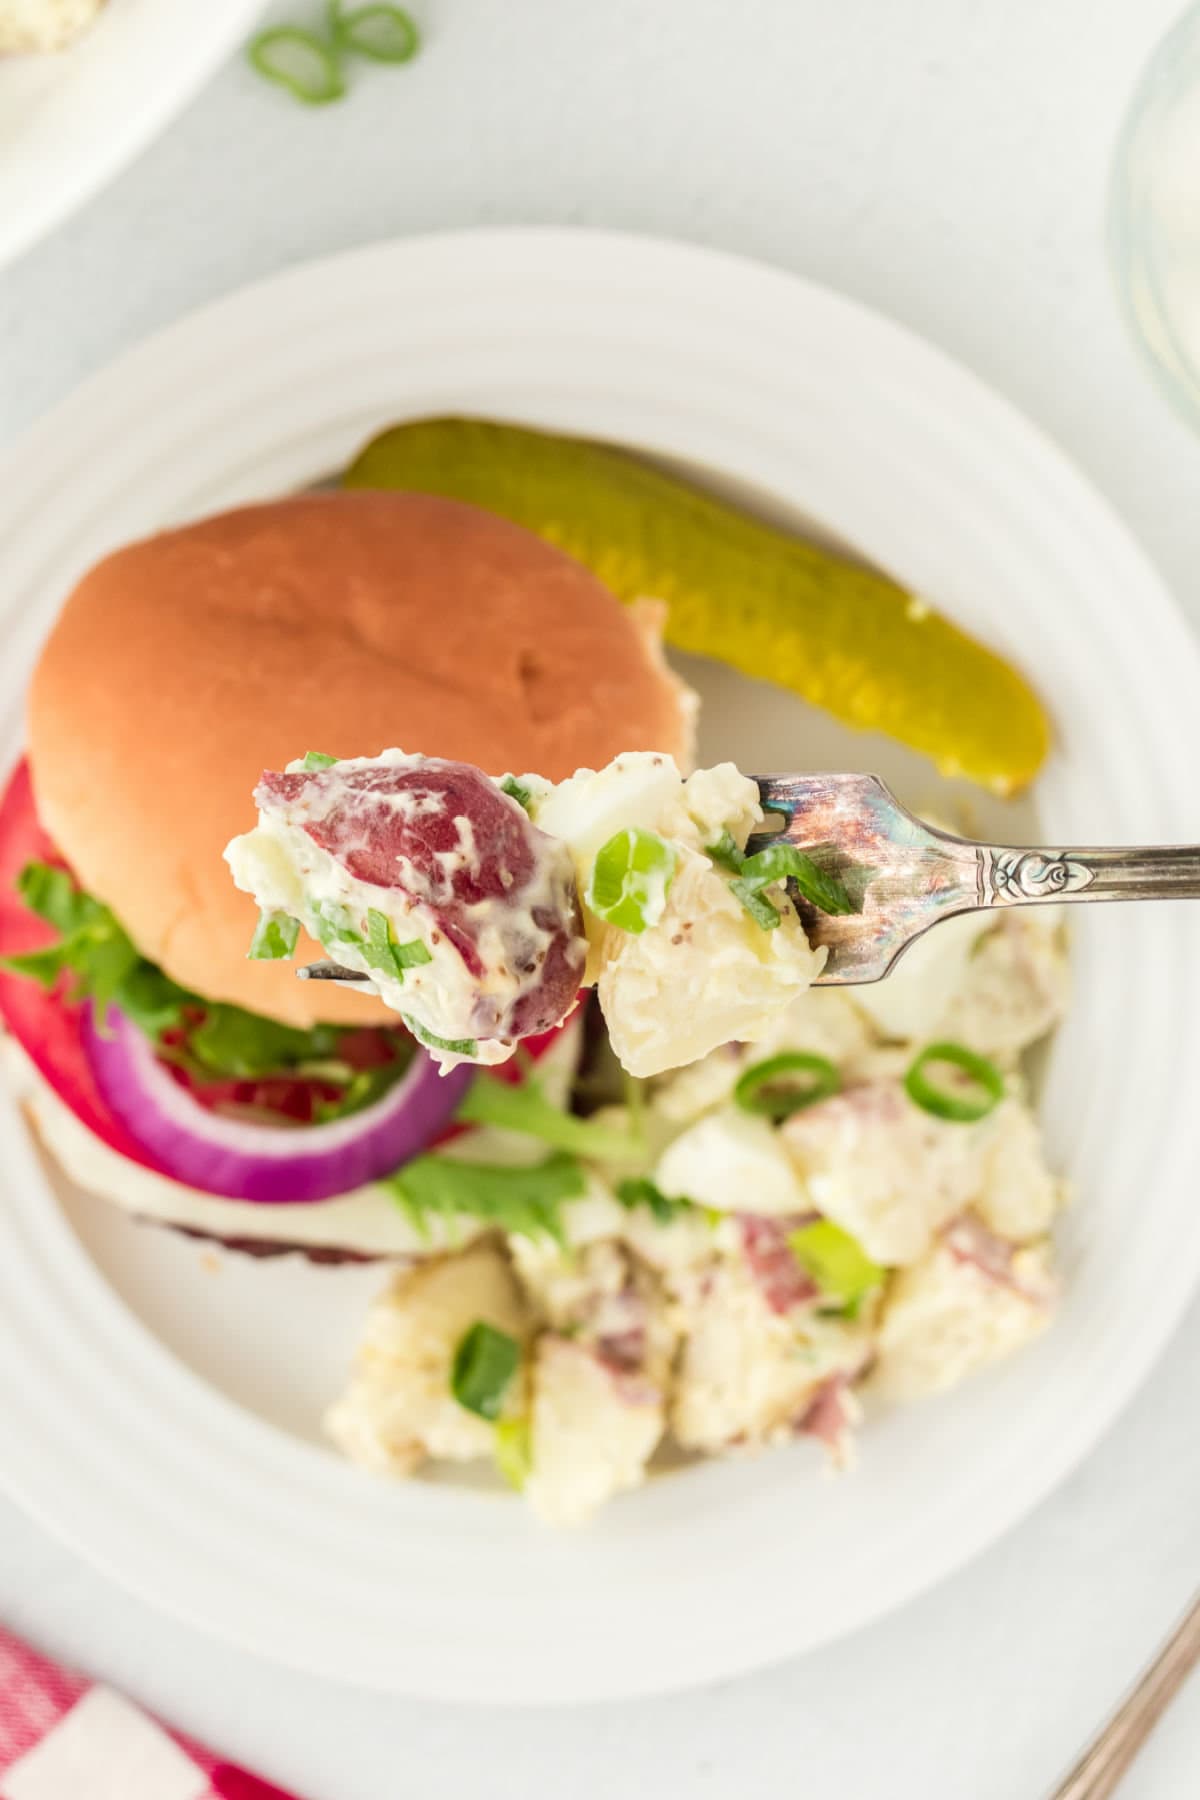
point(365, 1223)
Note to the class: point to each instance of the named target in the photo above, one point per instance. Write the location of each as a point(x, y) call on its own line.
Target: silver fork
point(908, 876)
point(905, 876)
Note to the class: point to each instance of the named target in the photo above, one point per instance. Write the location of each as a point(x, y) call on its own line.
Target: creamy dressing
point(703, 1327)
point(457, 1009)
point(699, 973)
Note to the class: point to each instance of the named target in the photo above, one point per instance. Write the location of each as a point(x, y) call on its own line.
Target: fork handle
point(1108, 1756)
point(1010, 877)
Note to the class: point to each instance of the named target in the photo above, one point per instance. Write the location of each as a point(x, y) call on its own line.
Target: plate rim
point(89, 172)
point(650, 257)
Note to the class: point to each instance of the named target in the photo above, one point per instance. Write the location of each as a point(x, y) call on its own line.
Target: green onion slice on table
point(384, 33)
point(299, 61)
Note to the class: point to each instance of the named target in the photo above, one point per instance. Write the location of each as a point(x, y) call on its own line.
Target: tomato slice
point(48, 1027)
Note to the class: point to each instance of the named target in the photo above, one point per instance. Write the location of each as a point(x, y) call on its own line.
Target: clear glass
point(1154, 213)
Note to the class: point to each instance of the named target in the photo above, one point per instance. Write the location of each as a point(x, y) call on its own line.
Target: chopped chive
point(317, 759)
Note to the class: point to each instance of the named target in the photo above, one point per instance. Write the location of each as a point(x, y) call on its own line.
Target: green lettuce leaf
point(523, 1202)
point(524, 1107)
point(104, 966)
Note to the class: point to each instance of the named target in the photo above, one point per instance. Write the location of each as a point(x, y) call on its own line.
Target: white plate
point(70, 121)
point(160, 1401)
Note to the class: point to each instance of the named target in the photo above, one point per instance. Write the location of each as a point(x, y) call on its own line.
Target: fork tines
point(328, 971)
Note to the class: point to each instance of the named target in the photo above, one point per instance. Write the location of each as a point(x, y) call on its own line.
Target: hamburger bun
point(184, 665)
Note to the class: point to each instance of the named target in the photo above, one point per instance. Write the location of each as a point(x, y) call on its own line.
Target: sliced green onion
point(785, 1084)
point(764, 912)
point(514, 1451)
point(639, 1190)
point(384, 33)
point(783, 862)
point(778, 862)
point(379, 950)
point(412, 955)
point(382, 952)
point(275, 935)
point(631, 878)
point(726, 854)
point(299, 61)
point(336, 925)
point(836, 1261)
point(362, 1087)
point(317, 759)
point(963, 1102)
point(515, 791)
point(452, 1046)
point(523, 1106)
point(484, 1363)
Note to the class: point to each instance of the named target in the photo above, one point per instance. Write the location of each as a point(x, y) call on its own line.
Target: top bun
point(183, 666)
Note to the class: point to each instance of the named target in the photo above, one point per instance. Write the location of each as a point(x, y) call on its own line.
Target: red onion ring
point(240, 1160)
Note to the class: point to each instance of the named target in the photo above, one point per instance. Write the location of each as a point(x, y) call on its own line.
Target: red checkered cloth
point(64, 1738)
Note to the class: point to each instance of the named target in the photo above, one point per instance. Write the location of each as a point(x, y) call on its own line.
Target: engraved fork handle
point(908, 874)
point(1009, 877)
point(1104, 1762)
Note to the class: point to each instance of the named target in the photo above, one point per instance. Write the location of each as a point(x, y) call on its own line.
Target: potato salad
point(477, 906)
point(847, 1207)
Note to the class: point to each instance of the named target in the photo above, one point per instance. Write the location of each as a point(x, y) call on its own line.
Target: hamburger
point(164, 1069)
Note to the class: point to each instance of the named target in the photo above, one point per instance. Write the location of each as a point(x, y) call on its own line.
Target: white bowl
point(70, 120)
point(161, 1400)
point(1154, 214)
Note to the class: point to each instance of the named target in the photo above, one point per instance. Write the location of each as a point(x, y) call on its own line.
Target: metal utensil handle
point(1010, 877)
point(1104, 1762)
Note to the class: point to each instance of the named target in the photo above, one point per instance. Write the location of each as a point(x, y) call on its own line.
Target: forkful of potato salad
point(698, 906)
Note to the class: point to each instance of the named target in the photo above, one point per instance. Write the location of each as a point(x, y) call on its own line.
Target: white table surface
point(943, 160)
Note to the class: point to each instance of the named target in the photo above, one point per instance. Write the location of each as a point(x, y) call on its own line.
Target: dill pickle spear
point(770, 604)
